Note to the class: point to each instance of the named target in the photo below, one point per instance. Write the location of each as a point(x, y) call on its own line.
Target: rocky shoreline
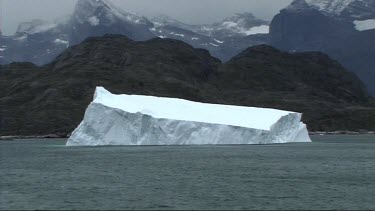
point(18, 137)
point(55, 136)
point(364, 132)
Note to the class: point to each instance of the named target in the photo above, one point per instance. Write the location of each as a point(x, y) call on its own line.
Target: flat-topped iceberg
point(145, 120)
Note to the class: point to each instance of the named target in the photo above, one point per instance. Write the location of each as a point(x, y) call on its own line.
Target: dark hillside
point(52, 99)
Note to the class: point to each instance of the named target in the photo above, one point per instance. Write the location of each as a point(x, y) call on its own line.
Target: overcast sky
point(13, 12)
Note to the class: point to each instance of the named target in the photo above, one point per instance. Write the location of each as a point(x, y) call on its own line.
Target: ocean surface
point(333, 172)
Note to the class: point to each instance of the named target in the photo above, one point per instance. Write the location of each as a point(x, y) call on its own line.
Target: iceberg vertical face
point(144, 120)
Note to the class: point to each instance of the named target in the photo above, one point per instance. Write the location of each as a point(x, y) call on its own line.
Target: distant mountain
point(345, 9)
point(224, 39)
point(40, 41)
point(343, 29)
point(243, 24)
point(95, 18)
point(35, 100)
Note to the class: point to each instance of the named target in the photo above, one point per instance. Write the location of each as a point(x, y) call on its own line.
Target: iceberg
point(146, 120)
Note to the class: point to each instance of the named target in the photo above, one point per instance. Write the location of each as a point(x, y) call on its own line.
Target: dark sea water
point(333, 172)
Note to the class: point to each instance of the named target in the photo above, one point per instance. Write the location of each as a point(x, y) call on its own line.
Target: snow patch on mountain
point(238, 29)
point(365, 24)
point(263, 29)
point(20, 38)
point(59, 41)
point(94, 21)
point(176, 34)
point(133, 17)
point(219, 41)
point(3, 48)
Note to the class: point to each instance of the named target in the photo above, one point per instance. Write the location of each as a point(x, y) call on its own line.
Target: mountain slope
point(312, 83)
point(52, 98)
point(330, 27)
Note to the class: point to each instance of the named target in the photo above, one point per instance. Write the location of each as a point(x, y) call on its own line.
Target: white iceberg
point(145, 120)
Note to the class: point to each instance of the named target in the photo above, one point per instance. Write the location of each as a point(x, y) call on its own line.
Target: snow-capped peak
point(343, 9)
point(298, 5)
point(96, 12)
point(330, 6)
point(87, 10)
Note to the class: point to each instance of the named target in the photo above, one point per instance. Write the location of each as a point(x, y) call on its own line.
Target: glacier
point(146, 120)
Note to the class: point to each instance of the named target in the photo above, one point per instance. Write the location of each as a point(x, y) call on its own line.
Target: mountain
point(223, 39)
point(40, 42)
point(343, 29)
point(242, 24)
point(330, 97)
point(95, 18)
point(345, 9)
point(35, 100)
point(239, 25)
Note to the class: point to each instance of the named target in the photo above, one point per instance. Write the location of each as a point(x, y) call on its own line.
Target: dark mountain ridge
point(52, 98)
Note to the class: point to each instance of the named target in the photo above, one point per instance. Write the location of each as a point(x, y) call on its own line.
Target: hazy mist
point(13, 12)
